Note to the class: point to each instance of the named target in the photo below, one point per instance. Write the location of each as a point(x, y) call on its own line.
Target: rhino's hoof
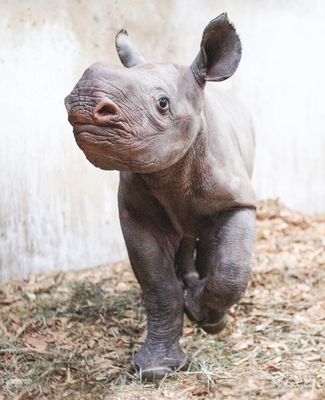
point(215, 324)
point(190, 279)
point(155, 364)
point(153, 374)
point(159, 373)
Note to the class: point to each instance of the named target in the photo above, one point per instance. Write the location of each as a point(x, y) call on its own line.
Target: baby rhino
point(187, 208)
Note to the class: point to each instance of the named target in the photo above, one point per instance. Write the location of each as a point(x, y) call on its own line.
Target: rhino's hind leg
point(224, 258)
point(185, 262)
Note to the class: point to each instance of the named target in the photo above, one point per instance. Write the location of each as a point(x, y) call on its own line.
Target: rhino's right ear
point(128, 53)
point(220, 51)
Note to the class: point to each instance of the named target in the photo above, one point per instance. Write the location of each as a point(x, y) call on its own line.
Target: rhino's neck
point(188, 171)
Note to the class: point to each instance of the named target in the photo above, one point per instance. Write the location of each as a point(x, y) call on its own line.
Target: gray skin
point(187, 208)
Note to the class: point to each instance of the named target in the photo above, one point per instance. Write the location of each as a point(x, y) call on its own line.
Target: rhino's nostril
point(105, 109)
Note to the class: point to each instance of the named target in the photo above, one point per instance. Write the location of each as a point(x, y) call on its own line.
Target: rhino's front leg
point(224, 257)
point(151, 248)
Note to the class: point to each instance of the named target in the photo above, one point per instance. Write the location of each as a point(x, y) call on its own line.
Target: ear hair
point(128, 53)
point(220, 51)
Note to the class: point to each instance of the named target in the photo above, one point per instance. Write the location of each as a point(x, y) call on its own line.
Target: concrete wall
point(59, 212)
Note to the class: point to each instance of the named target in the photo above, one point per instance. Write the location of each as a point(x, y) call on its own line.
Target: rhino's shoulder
point(229, 125)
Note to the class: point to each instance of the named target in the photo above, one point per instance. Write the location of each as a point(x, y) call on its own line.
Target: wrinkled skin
point(187, 209)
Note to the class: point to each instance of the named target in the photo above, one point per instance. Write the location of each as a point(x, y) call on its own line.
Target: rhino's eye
point(163, 105)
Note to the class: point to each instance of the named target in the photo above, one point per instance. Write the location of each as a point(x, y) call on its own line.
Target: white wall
point(56, 210)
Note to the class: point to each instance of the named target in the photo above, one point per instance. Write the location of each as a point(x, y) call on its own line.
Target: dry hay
point(71, 336)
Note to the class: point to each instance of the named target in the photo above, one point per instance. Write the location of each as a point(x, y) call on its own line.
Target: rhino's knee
point(224, 290)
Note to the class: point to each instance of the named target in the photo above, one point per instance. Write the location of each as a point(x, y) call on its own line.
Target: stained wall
point(59, 212)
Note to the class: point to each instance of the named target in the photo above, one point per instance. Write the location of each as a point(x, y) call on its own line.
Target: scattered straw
point(71, 336)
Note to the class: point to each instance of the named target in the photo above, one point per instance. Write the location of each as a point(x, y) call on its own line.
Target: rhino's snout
point(103, 113)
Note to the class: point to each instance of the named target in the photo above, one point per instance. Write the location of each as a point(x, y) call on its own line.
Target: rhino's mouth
point(102, 146)
point(85, 128)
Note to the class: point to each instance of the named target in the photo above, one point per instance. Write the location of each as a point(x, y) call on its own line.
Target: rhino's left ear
point(128, 53)
point(220, 51)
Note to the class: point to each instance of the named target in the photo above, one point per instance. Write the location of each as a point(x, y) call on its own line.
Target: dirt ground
point(71, 336)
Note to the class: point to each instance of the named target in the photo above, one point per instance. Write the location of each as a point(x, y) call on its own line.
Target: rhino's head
point(144, 118)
